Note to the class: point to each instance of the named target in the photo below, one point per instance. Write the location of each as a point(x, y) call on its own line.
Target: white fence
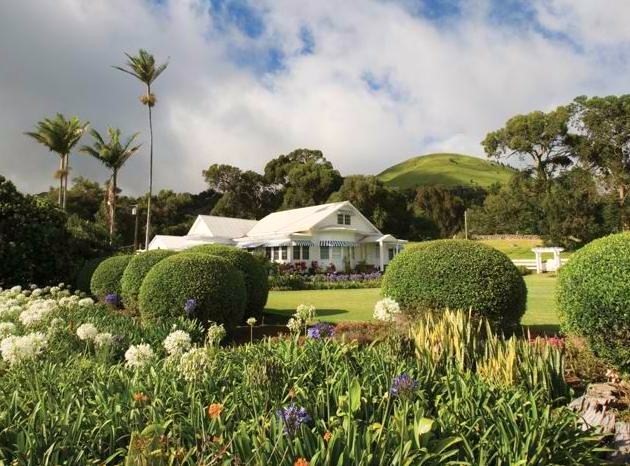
point(548, 265)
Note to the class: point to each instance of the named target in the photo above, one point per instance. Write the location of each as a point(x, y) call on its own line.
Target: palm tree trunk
point(66, 170)
point(148, 227)
point(112, 206)
point(60, 193)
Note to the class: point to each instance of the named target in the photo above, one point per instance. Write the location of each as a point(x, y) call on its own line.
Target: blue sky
point(369, 82)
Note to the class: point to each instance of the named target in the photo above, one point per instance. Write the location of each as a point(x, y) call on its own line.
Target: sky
point(369, 82)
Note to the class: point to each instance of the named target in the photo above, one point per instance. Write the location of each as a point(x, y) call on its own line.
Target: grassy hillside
point(445, 169)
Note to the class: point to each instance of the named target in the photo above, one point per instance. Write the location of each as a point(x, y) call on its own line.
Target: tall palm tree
point(60, 136)
point(142, 66)
point(113, 154)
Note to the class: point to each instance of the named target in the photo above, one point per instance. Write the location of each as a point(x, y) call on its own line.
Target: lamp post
point(134, 212)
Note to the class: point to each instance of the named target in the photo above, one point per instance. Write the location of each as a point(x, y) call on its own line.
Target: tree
point(113, 154)
point(604, 124)
point(304, 177)
point(144, 68)
point(386, 208)
point(244, 194)
point(543, 138)
point(84, 198)
point(60, 136)
point(441, 206)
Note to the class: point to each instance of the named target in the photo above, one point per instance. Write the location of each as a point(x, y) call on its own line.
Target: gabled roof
point(176, 243)
point(298, 220)
point(223, 227)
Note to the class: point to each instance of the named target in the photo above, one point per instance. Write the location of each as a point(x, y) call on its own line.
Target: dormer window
point(343, 219)
point(346, 218)
point(339, 219)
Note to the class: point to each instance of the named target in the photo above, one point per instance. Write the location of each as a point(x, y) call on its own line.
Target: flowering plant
point(293, 417)
point(177, 342)
point(87, 332)
point(386, 310)
point(138, 356)
point(321, 330)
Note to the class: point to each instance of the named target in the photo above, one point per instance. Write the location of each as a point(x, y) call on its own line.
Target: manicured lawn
point(340, 305)
point(514, 248)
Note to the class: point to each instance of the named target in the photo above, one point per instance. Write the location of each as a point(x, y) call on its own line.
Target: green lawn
point(340, 305)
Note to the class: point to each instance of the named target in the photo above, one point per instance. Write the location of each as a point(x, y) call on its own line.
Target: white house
point(334, 233)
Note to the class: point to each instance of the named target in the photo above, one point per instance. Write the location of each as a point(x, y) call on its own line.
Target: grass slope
point(447, 170)
point(347, 305)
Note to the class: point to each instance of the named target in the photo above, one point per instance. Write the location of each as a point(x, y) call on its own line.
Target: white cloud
point(443, 86)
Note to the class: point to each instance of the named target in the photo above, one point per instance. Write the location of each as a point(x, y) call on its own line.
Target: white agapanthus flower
point(305, 312)
point(87, 332)
point(386, 310)
point(194, 363)
point(16, 349)
point(68, 301)
point(177, 342)
point(215, 334)
point(294, 325)
point(7, 329)
point(16, 289)
point(36, 311)
point(86, 302)
point(251, 321)
point(139, 355)
point(104, 339)
point(9, 311)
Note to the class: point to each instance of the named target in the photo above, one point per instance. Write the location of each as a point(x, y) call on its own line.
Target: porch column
point(381, 256)
point(290, 253)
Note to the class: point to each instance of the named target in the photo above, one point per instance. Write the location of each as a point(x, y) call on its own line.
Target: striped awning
point(250, 245)
point(277, 242)
point(336, 243)
point(302, 242)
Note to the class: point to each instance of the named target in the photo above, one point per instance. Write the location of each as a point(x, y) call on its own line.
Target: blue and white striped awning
point(303, 242)
point(336, 243)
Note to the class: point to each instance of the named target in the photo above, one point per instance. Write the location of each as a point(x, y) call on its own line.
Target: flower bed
point(92, 385)
point(328, 281)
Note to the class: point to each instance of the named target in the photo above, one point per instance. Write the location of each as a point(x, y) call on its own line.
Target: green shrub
point(217, 287)
point(458, 274)
point(84, 276)
point(254, 272)
point(593, 295)
point(106, 278)
point(134, 274)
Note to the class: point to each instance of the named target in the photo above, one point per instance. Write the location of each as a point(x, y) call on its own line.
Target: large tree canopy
point(542, 138)
point(604, 124)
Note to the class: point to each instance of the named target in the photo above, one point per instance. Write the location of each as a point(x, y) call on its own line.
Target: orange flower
point(327, 436)
point(300, 462)
point(140, 397)
point(292, 393)
point(214, 410)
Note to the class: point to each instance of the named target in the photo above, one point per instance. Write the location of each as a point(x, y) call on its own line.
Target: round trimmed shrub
point(458, 275)
point(255, 274)
point(217, 287)
point(593, 296)
point(84, 276)
point(106, 278)
point(134, 274)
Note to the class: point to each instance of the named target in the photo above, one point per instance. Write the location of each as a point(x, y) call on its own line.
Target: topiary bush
point(134, 274)
point(254, 271)
point(215, 285)
point(458, 274)
point(106, 278)
point(84, 276)
point(593, 296)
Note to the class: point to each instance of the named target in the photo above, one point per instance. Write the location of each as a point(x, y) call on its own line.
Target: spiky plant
point(60, 135)
point(143, 67)
point(113, 154)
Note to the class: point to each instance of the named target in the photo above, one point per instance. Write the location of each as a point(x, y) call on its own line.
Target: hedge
point(106, 278)
point(135, 272)
point(84, 276)
point(593, 296)
point(255, 274)
point(217, 287)
point(458, 274)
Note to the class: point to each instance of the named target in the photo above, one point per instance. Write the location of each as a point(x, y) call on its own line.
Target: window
point(391, 253)
point(284, 252)
point(346, 219)
point(305, 253)
point(274, 254)
point(296, 253)
point(268, 253)
point(340, 219)
point(324, 253)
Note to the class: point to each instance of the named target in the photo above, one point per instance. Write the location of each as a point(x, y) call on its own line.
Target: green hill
point(446, 169)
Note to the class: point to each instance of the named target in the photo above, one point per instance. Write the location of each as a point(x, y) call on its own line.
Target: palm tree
point(60, 136)
point(143, 67)
point(113, 154)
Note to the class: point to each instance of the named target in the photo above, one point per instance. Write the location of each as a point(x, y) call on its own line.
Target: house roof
point(223, 227)
point(176, 243)
point(294, 220)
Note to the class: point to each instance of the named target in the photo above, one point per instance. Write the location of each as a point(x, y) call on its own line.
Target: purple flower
point(293, 417)
point(321, 330)
point(112, 299)
point(189, 307)
point(403, 386)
